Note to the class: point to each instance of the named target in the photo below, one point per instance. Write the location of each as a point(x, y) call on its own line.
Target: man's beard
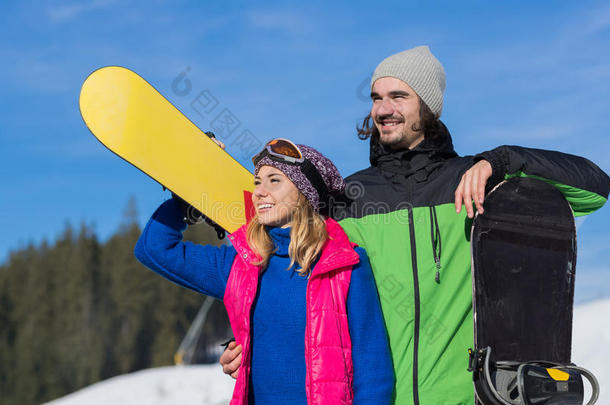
point(404, 140)
point(390, 143)
point(394, 141)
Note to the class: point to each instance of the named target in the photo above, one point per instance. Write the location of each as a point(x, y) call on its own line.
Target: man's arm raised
point(582, 183)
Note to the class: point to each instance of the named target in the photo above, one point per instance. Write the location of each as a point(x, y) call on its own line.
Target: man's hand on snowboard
point(472, 188)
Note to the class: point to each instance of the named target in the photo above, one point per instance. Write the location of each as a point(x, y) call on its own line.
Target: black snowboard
point(523, 263)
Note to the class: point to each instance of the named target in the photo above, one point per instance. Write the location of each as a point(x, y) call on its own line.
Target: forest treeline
point(77, 311)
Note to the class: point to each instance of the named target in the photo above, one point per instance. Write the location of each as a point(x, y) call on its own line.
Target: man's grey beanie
point(420, 70)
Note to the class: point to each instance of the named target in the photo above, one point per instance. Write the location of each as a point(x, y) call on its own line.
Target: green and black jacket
point(402, 212)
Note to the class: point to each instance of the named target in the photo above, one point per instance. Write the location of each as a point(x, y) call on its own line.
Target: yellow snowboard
point(133, 120)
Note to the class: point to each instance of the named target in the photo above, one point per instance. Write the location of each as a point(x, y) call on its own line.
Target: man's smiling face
point(395, 111)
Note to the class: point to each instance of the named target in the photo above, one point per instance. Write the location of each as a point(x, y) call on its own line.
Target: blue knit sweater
point(279, 312)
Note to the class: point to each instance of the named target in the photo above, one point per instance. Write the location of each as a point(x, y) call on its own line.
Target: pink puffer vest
point(328, 346)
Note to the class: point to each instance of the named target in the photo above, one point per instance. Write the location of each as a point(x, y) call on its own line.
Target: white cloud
point(67, 12)
point(526, 133)
point(547, 91)
point(598, 21)
point(539, 62)
point(276, 20)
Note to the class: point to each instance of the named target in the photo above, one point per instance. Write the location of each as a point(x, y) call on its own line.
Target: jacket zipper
point(435, 236)
point(417, 310)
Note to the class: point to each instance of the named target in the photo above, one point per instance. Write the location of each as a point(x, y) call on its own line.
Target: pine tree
point(77, 311)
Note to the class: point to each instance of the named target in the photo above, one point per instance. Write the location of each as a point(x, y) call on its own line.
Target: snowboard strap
point(527, 383)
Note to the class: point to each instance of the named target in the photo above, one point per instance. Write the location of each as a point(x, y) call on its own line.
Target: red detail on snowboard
point(250, 210)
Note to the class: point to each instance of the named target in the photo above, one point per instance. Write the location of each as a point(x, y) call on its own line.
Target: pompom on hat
point(330, 176)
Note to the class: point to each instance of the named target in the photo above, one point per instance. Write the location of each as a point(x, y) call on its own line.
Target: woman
point(290, 276)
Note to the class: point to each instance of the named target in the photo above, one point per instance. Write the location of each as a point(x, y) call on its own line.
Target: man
point(407, 213)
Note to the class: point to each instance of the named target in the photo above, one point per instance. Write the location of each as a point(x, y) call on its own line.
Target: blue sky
point(535, 74)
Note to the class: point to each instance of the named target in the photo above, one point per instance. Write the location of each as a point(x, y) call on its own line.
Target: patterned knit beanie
point(329, 173)
point(421, 71)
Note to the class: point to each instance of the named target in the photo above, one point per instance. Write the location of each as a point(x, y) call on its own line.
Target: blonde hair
point(307, 237)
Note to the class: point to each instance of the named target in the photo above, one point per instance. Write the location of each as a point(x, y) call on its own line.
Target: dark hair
point(432, 127)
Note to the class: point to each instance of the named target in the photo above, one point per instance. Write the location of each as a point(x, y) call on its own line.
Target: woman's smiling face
point(275, 197)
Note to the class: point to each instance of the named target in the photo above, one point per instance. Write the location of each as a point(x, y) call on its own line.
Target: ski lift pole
point(186, 350)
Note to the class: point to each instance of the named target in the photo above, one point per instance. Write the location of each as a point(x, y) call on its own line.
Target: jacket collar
point(337, 252)
point(411, 161)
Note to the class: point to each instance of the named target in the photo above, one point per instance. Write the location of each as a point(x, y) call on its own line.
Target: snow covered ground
point(206, 385)
point(180, 385)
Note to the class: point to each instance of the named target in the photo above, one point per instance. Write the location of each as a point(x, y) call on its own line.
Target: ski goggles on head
point(281, 150)
point(285, 151)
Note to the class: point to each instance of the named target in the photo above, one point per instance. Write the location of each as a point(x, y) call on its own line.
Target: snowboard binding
point(527, 383)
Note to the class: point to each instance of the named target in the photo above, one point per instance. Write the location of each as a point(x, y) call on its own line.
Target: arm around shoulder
point(582, 182)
